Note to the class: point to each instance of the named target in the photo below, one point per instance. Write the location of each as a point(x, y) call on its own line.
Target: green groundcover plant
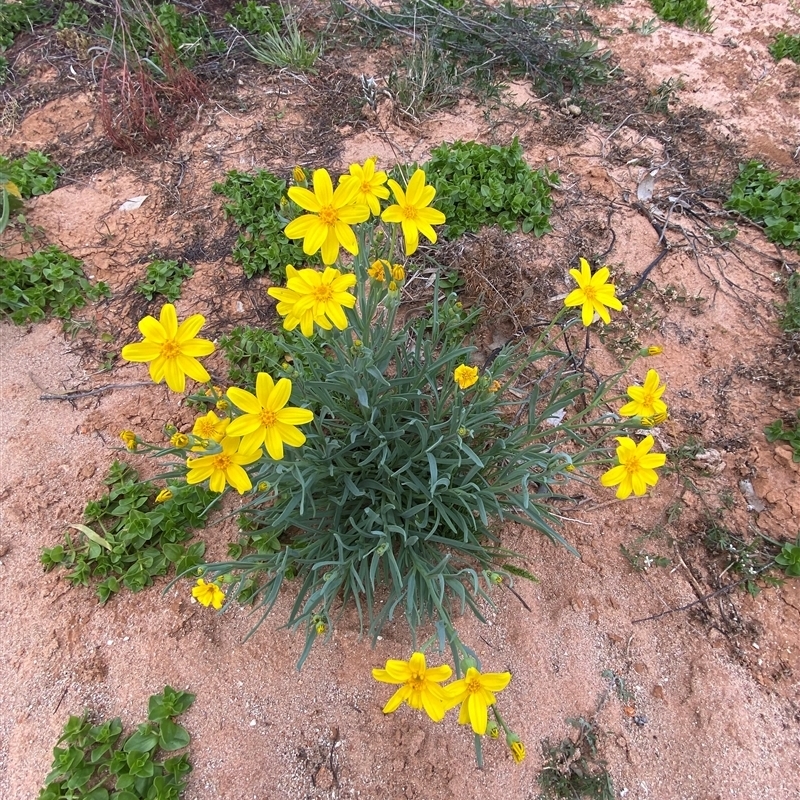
point(23, 178)
point(786, 45)
point(381, 471)
point(132, 534)
point(47, 282)
point(686, 13)
point(93, 762)
point(760, 195)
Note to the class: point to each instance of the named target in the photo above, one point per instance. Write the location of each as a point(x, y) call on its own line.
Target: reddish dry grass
point(138, 109)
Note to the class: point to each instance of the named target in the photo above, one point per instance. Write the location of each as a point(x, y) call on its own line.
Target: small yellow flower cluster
point(171, 349)
point(419, 687)
point(130, 439)
point(635, 469)
point(636, 465)
point(327, 226)
point(379, 270)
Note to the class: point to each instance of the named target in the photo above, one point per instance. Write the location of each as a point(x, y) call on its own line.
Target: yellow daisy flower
point(265, 419)
point(369, 185)
point(223, 468)
point(646, 400)
point(332, 214)
point(171, 349)
point(412, 212)
point(311, 296)
point(475, 692)
point(208, 594)
point(419, 685)
point(209, 426)
point(593, 293)
point(636, 469)
point(465, 376)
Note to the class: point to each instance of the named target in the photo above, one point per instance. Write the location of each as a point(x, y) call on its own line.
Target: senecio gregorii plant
point(381, 468)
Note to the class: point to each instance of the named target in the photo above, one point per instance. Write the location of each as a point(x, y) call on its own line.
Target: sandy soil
point(714, 706)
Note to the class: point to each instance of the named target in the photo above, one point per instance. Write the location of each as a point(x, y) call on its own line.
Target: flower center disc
point(169, 349)
point(328, 215)
point(268, 418)
point(590, 293)
point(410, 213)
point(473, 686)
point(322, 294)
point(222, 462)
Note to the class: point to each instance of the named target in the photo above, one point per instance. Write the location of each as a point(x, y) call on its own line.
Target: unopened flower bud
point(179, 440)
point(378, 269)
point(494, 386)
point(570, 468)
point(492, 729)
point(496, 578)
point(321, 628)
point(263, 486)
point(392, 286)
point(163, 496)
point(299, 175)
point(462, 431)
point(517, 748)
point(130, 439)
point(398, 273)
point(653, 350)
point(222, 405)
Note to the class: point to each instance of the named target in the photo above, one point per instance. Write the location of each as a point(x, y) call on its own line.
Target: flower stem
point(478, 751)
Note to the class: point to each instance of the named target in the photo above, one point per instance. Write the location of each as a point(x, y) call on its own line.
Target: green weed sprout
point(789, 558)
point(786, 45)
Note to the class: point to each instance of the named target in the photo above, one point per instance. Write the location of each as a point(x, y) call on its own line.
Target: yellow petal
point(169, 320)
point(189, 328)
point(279, 396)
point(392, 214)
point(273, 443)
point(495, 681)
point(197, 347)
point(414, 189)
point(411, 236)
point(238, 478)
point(141, 351)
point(152, 329)
point(264, 388)
point(176, 379)
point(246, 401)
point(193, 368)
point(323, 188)
point(305, 199)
